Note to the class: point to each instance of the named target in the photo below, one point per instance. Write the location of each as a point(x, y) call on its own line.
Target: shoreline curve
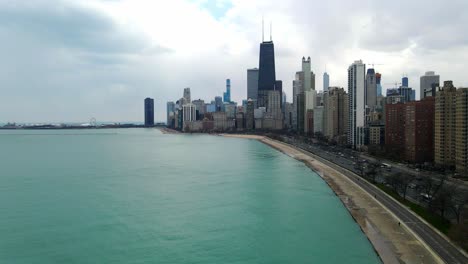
point(393, 243)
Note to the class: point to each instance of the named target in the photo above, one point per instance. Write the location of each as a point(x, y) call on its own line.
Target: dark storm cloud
point(66, 25)
point(61, 61)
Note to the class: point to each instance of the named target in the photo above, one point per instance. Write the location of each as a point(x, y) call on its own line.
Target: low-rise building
point(376, 135)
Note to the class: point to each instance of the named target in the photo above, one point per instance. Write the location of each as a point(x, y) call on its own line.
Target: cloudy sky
point(66, 60)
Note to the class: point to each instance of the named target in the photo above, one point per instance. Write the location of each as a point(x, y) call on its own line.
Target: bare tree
point(458, 203)
point(360, 167)
point(432, 185)
point(373, 170)
point(394, 180)
point(443, 199)
point(404, 180)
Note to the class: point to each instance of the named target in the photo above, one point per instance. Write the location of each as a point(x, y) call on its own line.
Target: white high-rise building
point(326, 81)
point(356, 95)
point(189, 114)
point(274, 104)
point(428, 84)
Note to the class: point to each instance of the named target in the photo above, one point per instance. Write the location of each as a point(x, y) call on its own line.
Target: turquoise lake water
point(140, 196)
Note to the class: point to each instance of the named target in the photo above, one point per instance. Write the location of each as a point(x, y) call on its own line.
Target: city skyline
point(74, 73)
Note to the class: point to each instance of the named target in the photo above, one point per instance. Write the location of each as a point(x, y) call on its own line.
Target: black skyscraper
point(149, 112)
point(266, 73)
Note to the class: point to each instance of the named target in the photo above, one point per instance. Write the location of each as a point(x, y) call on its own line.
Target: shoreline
point(393, 243)
point(166, 130)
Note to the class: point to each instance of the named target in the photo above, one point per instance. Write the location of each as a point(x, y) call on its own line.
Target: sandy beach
point(166, 130)
point(393, 243)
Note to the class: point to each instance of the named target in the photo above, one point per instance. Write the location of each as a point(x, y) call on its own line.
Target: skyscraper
point(170, 107)
point(252, 84)
point(356, 90)
point(428, 82)
point(419, 130)
point(283, 100)
point(407, 92)
point(227, 94)
point(318, 119)
point(395, 128)
point(309, 91)
point(274, 104)
point(266, 73)
point(371, 89)
point(149, 112)
point(187, 95)
point(378, 78)
point(405, 81)
point(298, 101)
point(218, 103)
point(200, 108)
point(336, 104)
point(445, 122)
point(326, 81)
point(189, 115)
point(461, 136)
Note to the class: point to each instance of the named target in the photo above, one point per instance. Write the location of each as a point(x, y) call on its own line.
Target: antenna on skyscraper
point(263, 30)
point(271, 39)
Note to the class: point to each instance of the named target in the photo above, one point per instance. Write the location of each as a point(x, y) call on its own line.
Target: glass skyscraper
point(252, 84)
point(227, 94)
point(266, 73)
point(149, 112)
point(378, 78)
point(326, 81)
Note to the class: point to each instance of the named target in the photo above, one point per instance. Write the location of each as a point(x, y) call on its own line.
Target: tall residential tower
point(252, 84)
point(149, 112)
point(356, 90)
point(371, 89)
point(326, 81)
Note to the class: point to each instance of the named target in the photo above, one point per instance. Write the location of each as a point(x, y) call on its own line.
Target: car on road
point(412, 186)
point(425, 196)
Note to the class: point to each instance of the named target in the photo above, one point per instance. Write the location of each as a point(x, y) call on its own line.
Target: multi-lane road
point(433, 239)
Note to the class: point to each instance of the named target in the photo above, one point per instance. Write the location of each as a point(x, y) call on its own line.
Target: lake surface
point(140, 196)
